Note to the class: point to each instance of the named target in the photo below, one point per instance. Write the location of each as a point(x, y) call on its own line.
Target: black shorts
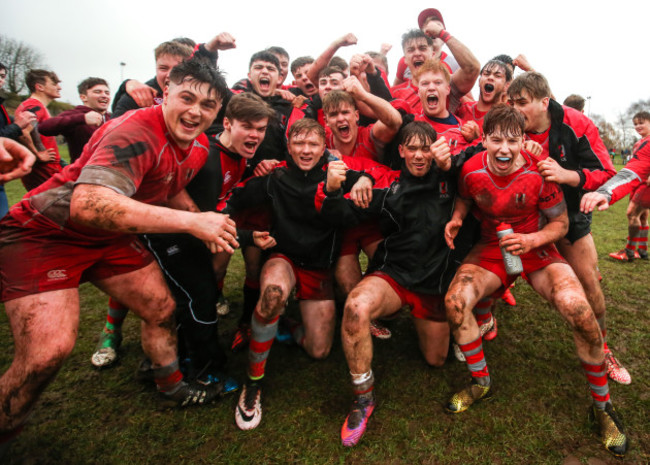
point(579, 226)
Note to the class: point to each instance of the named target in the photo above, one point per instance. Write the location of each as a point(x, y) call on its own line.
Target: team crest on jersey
point(543, 254)
point(562, 153)
point(520, 198)
point(190, 174)
point(443, 188)
point(394, 188)
point(167, 179)
point(227, 177)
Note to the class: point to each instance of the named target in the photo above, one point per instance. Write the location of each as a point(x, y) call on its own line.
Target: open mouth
point(251, 146)
point(309, 87)
point(265, 83)
point(488, 88)
point(432, 100)
point(503, 163)
point(344, 130)
point(189, 125)
point(418, 63)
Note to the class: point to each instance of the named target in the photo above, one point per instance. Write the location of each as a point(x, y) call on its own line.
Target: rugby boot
point(612, 432)
point(464, 398)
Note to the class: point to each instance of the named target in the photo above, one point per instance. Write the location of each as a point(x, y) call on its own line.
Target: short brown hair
point(39, 76)
point(335, 99)
point(307, 126)
point(575, 101)
point(642, 115)
point(89, 83)
point(433, 66)
point(535, 84)
point(505, 119)
point(173, 48)
point(420, 130)
point(248, 106)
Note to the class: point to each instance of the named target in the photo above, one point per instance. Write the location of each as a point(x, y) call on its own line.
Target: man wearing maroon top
point(44, 87)
point(575, 157)
point(79, 227)
point(78, 124)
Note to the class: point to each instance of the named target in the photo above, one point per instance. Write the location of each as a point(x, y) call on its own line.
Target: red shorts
point(641, 195)
point(310, 284)
point(423, 306)
point(34, 260)
point(359, 237)
point(488, 256)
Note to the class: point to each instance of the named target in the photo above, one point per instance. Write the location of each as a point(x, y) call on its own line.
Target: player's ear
point(400, 148)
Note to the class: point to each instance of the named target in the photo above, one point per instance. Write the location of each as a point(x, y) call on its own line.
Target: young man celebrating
point(637, 209)
point(305, 245)
point(78, 124)
point(44, 87)
point(493, 85)
point(186, 261)
point(418, 48)
point(434, 91)
point(412, 266)
point(504, 184)
point(79, 227)
point(574, 156)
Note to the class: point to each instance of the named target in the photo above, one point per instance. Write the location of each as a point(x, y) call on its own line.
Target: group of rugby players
point(303, 178)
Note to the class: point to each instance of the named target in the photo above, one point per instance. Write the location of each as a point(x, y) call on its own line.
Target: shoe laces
point(252, 393)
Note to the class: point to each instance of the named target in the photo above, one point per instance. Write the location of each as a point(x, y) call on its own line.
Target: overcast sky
point(594, 48)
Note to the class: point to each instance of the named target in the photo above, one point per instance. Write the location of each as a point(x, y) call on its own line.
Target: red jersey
point(134, 155)
point(41, 172)
point(450, 128)
point(520, 199)
point(469, 111)
point(366, 145)
point(635, 172)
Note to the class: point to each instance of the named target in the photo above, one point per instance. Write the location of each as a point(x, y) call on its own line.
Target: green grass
point(538, 414)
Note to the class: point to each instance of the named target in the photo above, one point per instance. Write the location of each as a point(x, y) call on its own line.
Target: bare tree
point(608, 133)
point(18, 57)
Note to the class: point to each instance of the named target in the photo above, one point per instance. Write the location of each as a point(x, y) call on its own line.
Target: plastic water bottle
point(512, 262)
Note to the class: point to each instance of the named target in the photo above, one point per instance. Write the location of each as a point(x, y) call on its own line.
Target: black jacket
point(412, 214)
point(301, 233)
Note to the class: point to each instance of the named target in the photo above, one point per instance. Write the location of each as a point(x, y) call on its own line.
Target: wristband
point(444, 35)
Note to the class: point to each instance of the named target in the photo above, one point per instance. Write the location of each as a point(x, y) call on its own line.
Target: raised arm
point(388, 118)
point(465, 77)
point(324, 58)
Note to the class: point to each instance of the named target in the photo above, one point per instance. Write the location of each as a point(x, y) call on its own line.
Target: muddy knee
point(356, 316)
point(455, 308)
point(272, 302)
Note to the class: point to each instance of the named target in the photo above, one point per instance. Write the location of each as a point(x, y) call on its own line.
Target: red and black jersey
point(221, 172)
point(635, 172)
point(41, 172)
point(450, 128)
point(366, 146)
point(574, 142)
point(134, 155)
point(521, 199)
